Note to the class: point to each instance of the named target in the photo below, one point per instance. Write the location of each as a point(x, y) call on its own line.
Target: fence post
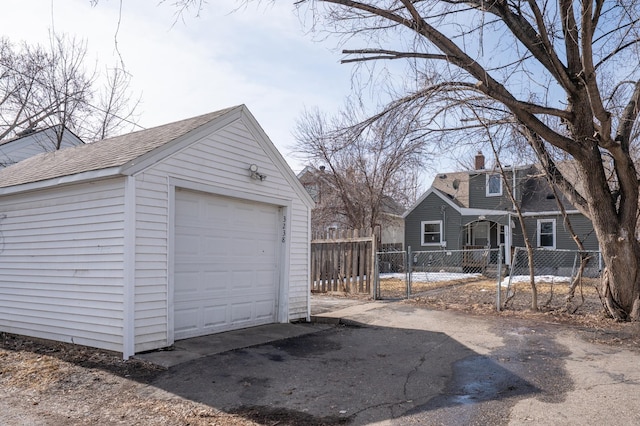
point(409, 269)
point(499, 279)
point(374, 264)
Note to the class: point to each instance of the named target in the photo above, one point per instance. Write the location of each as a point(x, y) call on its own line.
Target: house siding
point(478, 198)
point(478, 186)
point(221, 159)
point(45, 141)
point(61, 263)
point(431, 209)
point(580, 224)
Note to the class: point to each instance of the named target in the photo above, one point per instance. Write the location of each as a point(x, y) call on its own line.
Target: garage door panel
point(263, 281)
point(186, 319)
point(242, 281)
point(226, 263)
point(264, 308)
point(217, 210)
point(213, 246)
point(187, 244)
point(189, 286)
point(188, 208)
point(215, 316)
point(241, 312)
point(216, 284)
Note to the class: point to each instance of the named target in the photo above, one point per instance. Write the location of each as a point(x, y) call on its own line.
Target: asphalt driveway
point(397, 364)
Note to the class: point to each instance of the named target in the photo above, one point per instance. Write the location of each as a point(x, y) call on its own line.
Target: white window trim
point(497, 194)
point(430, 222)
point(553, 221)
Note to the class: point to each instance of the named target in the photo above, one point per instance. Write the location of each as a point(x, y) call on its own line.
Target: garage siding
point(61, 264)
point(219, 159)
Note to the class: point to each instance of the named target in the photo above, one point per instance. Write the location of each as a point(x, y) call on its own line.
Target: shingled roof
point(104, 154)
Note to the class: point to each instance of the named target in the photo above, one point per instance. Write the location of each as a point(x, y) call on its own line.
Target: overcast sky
point(259, 56)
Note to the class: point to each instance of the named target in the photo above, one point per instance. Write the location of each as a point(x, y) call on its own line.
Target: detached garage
point(130, 243)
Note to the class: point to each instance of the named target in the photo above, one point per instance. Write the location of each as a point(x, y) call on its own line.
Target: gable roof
point(455, 185)
point(436, 192)
point(107, 153)
point(535, 195)
point(133, 152)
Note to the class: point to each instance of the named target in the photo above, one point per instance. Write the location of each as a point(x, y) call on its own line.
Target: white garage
point(133, 242)
point(226, 263)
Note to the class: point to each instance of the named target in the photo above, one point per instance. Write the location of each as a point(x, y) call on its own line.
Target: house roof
point(107, 153)
point(455, 186)
point(311, 175)
point(539, 196)
point(536, 193)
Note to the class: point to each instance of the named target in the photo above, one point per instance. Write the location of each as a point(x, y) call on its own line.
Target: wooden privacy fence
point(343, 260)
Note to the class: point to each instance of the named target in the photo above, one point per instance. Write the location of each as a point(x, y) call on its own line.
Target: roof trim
point(183, 141)
point(62, 180)
point(550, 213)
point(423, 197)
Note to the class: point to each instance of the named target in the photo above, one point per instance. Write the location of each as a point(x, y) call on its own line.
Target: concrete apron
point(199, 347)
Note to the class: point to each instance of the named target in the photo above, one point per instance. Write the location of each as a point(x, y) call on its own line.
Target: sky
point(260, 55)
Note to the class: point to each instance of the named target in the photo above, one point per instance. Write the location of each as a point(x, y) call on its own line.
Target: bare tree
point(53, 87)
point(368, 168)
point(567, 71)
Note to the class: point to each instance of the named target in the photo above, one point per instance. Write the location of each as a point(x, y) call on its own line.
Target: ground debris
point(53, 383)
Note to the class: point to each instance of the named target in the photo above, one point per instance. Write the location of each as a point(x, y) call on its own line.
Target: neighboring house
point(472, 209)
point(325, 216)
point(34, 142)
point(133, 242)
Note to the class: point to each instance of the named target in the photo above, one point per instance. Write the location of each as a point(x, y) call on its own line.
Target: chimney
point(479, 161)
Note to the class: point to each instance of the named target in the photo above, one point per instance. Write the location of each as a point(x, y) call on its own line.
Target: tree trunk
point(620, 280)
point(614, 222)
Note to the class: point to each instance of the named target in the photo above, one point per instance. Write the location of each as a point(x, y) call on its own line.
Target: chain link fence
point(562, 278)
point(479, 277)
point(406, 274)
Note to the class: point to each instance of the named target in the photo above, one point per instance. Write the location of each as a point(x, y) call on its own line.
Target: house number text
point(284, 228)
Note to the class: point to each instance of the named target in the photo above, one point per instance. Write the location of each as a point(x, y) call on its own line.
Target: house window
point(494, 185)
point(432, 233)
point(547, 233)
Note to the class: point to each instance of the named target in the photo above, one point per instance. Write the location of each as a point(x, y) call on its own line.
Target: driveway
point(396, 364)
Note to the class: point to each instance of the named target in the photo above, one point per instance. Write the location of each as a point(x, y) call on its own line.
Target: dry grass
point(51, 383)
point(584, 312)
point(477, 292)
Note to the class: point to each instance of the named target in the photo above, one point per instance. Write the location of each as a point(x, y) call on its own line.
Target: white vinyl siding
point(45, 141)
point(61, 264)
point(221, 159)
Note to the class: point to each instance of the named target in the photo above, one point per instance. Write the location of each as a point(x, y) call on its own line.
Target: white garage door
point(226, 269)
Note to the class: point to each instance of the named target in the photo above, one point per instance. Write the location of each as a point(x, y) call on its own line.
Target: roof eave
point(91, 175)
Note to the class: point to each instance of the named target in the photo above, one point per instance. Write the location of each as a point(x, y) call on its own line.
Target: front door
point(480, 234)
